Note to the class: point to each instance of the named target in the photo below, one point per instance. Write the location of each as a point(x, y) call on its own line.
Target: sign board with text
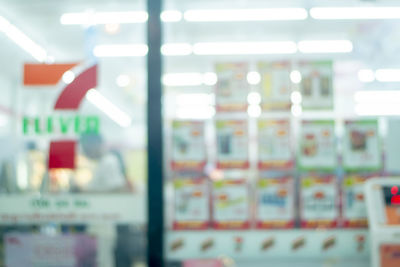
point(72, 208)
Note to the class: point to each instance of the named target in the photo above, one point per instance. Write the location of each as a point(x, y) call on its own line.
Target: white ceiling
point(376, 43)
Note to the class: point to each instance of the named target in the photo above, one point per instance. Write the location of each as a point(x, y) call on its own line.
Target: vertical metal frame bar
point(155, 197)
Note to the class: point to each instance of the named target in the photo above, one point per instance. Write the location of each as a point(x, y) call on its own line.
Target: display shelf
point(260, 244)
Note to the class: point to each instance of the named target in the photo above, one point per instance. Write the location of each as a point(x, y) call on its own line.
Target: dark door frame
point(155, 196)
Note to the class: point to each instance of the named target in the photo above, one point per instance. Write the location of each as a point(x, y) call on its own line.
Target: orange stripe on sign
point(45, 74)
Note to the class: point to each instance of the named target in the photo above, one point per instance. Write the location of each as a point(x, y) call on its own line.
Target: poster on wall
point(276, 87)
point(354, 208)
point(318, 201)
point(73, 250)
point(361, 146)
point(316, 85)
point(275, 203)
point(232, 144)
point(317, 145)
point(191, 204)
point(392, 147)
point(274, 144)
point(232, 87)
point(188, 145)
point(231, 204)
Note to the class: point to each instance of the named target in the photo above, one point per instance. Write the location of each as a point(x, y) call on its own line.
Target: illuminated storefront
point(198, 133)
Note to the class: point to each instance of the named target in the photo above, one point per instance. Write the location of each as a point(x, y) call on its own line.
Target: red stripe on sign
point(62, 154)
point(73, 94)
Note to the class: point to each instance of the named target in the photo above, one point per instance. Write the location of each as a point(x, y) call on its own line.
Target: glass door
point(275, 113)
point(73, 139)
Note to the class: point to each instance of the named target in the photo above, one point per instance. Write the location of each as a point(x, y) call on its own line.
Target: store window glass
point(276, 113)
point(73, 133)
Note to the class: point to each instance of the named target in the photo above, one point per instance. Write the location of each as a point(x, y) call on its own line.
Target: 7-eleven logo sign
point(61, 152)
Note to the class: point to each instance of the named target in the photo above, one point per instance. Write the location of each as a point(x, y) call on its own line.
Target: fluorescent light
point(190, 79)
point(253, 77)
point(325, 46)
point(123, 80)
point(22, 40)
point(206, 112)
point(178, 49)
point(183, 79)
point(246, 14)
point(254, 111)
point(296, 110)
point(210, 78)
point(127, 50)
point(254, 98)
point(89, 18)
point(355, 12)
point(244, 48)
point(199, 99)
point(295, 76)
point(366, 75)
point(296, 98)
point(105, 105)
point(377, 97)
point(388, 75)
point(68, 77)
point(378, 109)
point(171, 16)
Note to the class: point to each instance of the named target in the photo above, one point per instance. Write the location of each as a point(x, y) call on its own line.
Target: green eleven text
point(60, 125)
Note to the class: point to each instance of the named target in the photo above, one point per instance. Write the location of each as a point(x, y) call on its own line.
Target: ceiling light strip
point(22, 40)
point(245, 48)
point(225, 15)
point(121, 50)
point(106, 106)
point(325, 46)
point(354, 13)
point(92, 18)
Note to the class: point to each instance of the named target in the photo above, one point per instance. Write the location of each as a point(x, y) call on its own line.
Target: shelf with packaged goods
point(269, 244)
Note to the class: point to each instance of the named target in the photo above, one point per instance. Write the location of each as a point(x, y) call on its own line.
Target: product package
point(232, 87)
point(192, 205)
point(276, 87)
point(392, 147)
point(274, 145)
point(317, 145)
point(232, 144)
point(231, 204)
point(362, 146)
point(319, 199)
point(316, 85)
point(354, 208)
point(275, 203)
point(188, 145)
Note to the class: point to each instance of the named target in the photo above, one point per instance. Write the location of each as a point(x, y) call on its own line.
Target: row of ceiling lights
point(40, 54)
point(229, 48)
point(229, 15)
